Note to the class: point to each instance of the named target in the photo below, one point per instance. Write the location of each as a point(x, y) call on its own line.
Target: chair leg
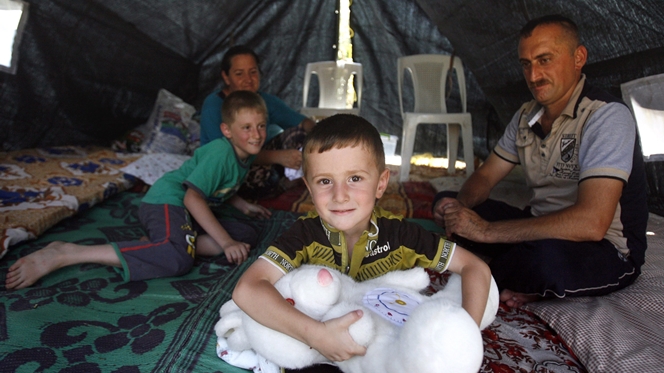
point(452, 146)
point(468, 154)
point(407, 144)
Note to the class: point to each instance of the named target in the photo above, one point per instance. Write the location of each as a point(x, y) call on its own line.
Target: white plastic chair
point(333, 77)
point(429, 75)
point(645, 96)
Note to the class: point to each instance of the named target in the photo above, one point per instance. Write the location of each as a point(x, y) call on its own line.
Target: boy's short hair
point(240, 100)
point(342, 131)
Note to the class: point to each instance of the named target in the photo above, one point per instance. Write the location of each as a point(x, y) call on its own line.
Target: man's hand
point(462, 221)
point(334, 341)
point(439, 210)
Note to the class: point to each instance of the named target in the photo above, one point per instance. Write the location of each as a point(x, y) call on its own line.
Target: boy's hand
point(237, 252)
point(257, 211)
point(334, 341)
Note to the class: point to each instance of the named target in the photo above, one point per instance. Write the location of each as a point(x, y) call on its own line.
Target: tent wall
point(625, 41)
point(90, 70)
point(385, 31)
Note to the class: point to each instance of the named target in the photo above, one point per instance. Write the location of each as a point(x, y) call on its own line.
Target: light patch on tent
point(345, 47)
point(13, 15)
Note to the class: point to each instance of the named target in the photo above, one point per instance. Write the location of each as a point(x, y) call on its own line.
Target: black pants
point(552, 267)
point(321, 368)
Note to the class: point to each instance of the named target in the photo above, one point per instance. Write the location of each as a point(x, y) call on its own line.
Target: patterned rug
point(84, 318)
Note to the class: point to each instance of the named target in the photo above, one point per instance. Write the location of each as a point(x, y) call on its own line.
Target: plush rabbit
point(402, 329)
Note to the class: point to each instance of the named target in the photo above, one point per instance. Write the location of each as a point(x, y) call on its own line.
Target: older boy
point(213, 174)
point(344, 170)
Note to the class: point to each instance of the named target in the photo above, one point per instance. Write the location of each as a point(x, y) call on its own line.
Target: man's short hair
point(240, 100)
point(342, 131)
point(570, 28)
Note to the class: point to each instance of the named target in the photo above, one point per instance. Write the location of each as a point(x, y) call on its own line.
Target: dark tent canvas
point(87, 72)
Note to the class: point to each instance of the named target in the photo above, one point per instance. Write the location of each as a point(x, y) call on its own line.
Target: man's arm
point(476, 188)
point(479, 185)
point(256, 295)
point(587, 220)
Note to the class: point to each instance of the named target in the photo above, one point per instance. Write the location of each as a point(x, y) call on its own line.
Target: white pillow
point(172, 128)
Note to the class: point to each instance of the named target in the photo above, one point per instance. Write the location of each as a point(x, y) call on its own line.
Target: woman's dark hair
point(236, 51)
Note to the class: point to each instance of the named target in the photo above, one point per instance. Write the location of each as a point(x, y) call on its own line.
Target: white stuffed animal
point(402, 329)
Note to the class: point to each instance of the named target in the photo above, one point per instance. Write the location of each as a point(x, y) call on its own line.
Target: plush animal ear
point(324, 277)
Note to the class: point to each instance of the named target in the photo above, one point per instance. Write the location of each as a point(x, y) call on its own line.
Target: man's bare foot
point(28, 269)
point(514, 299)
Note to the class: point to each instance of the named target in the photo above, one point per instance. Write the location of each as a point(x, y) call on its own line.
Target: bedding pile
point(40, 187)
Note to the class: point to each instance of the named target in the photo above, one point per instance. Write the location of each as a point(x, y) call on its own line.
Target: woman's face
point(243, 74)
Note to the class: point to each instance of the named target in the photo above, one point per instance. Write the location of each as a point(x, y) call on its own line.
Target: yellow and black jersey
point(391, 243)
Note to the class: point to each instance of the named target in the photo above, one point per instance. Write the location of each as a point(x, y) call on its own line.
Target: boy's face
point(344, 184)
point(247, 133)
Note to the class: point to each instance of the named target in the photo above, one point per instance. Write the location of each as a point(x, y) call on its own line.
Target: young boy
point(344, 170)
point(213, 174)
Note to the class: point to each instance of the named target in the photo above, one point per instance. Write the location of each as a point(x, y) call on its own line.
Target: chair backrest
point(645, 96)
point(429, 74)
point(333, 77)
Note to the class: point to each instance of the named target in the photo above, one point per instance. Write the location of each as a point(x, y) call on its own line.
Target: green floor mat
point(84, 318)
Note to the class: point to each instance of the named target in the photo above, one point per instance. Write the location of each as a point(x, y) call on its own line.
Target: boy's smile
point(247, 133)
point(344, 185)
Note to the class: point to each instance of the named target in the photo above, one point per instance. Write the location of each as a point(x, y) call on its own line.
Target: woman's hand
point(290, 158)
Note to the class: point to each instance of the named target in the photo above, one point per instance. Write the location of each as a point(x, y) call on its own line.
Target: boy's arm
point(235, 251)
point(475, 281)
point(249, 209)
point(256, 295)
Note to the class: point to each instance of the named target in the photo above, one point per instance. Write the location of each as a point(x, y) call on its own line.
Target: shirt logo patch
point(567, 146)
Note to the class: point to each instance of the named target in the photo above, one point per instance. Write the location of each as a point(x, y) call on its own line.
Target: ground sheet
point(84, 318)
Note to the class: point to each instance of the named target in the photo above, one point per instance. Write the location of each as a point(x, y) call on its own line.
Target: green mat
point(84, 318)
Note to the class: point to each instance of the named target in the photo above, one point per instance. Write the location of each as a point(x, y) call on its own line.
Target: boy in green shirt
point(212, 176)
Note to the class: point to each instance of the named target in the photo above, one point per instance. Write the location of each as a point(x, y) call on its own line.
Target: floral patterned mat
point(40, 187)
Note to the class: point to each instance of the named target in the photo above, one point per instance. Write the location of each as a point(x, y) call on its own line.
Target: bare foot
point(514, 299)
point(28, 269)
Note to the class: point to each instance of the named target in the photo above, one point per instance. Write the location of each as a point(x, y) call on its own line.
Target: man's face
point(551, 65)
point(344, 184)
point(243, 74)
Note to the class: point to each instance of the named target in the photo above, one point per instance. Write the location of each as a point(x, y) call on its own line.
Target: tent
point(90, 70)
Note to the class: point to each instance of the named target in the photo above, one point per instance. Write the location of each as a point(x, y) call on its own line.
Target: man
point(584, 231)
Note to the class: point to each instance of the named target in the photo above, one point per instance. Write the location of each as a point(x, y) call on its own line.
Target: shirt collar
point(569, 110)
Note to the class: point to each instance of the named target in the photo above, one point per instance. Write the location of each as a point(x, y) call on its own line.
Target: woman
point(286, 127)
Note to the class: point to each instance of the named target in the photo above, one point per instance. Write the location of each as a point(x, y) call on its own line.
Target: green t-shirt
point(214, 171)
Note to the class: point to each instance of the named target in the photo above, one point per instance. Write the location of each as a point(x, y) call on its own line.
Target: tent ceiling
point(89, 69)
